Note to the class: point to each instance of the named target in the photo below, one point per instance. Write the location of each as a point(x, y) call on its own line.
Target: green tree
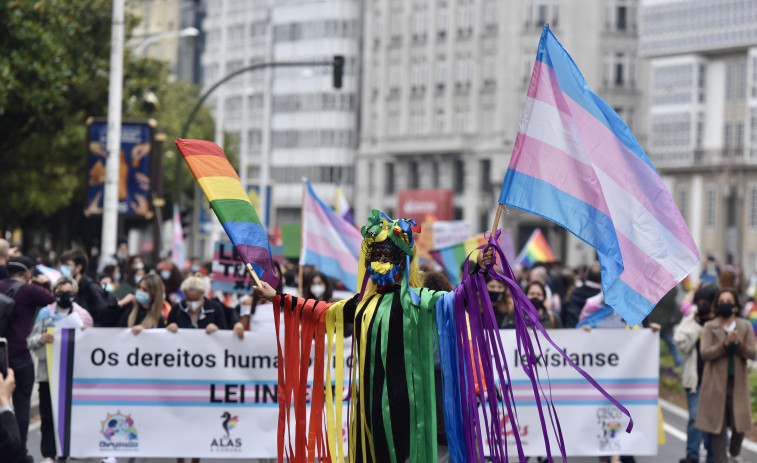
point(54, 61)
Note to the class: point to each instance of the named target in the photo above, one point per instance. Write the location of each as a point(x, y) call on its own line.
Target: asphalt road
point(672, 451)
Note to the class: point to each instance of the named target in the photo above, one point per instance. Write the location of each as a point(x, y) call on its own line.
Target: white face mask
point(194, 306)
point(317, 290)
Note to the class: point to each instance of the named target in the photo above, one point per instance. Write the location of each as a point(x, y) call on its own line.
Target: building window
point(489, 71)
point(683, 201)
point(485, 167)
point(442, 17)
point(491, 17)
point(441, 72)
point(753, 206)
point(388, 178)
point(413, 180)
point(619, 73)
point(439, 121)
point(434, 174)
point(457, 213)
point(710, 206)
point(727, 134)
point(459, 183)
point(395, 27)
point(621, 18)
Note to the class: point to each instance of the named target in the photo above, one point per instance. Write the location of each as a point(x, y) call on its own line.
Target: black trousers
point(47, 444)
point(22, 396)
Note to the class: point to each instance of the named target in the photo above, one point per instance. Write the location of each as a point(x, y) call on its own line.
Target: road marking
point(673, 431)
point(674, 409)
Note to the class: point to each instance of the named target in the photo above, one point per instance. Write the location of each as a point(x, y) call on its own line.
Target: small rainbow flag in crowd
point(224, 191)
point(752, 317)
point(452, 257)
point(536, 250)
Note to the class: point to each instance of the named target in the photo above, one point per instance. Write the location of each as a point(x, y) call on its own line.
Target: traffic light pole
point(337, 65)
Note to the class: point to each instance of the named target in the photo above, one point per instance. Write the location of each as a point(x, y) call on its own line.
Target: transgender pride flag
point(329, 242)
point(575, 162)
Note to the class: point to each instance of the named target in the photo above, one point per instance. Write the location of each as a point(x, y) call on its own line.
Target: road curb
point(683, 413)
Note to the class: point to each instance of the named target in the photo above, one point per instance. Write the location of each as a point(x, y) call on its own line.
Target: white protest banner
point(449, 232)
point(624, 362)
point(190, 394)
point(160, 394)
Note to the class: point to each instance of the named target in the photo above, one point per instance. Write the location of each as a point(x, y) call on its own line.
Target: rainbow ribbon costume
point(392, 412)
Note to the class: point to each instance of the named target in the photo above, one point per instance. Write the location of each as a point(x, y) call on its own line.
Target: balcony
point(725, 156)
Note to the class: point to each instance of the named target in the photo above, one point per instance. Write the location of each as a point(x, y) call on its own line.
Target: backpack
point(7, 303)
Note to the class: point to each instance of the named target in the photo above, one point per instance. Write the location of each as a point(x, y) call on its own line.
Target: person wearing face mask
point(64, 290)
point(727, 344)
point(28, 299)
point(536, 292)
point(502, 303)
point(91, 295)
point(197, 312)
point(146, 306)
point(687, 335)
point(172, 280)
point(317, 286)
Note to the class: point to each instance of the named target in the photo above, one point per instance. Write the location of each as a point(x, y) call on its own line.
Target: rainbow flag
point(752, 317)
point(535, 250)
point(231, 205)
point(576, 163)
point(452, 257)
point(329, 242)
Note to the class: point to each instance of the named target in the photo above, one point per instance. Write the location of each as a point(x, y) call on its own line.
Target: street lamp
point(186, 32)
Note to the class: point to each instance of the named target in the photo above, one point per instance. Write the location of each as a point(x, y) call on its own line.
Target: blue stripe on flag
point(330, 266)
point(248, 233)
point(631, 305)
point(573, 84)
point(586, 222)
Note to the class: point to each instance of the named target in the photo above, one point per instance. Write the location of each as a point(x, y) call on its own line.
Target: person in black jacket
point(146, 306)
point(12, 448)
point(591, 287)
point(91, 296)
point(196, 311)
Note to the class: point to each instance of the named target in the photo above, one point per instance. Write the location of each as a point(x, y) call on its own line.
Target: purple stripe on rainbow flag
point(644, 246)
point(62, 382)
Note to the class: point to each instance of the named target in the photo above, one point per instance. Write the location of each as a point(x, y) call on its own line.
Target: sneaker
point(736, 459)
point(47, 460)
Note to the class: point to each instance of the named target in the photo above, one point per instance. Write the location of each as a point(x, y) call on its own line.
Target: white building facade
point(703, 118)
point(286, 122)
point(444, 82)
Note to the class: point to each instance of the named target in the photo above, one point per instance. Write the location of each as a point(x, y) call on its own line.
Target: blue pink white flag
point(576, 163)
point(329, 242)
point(178, 253)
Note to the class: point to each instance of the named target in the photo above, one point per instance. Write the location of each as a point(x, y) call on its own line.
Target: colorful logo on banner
point(224, 443)
point(119, 432)
point(609, 421)
point(134, 171)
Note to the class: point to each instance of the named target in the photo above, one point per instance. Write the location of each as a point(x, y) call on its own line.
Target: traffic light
point(338, 70)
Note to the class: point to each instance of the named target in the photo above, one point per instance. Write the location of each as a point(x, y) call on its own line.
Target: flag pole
point(300, 275)
point(254, 275)
point(496, 219)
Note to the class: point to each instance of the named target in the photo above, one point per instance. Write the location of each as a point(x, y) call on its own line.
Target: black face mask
point(496, 296)
point(704, 313)
point(65, 300)
point(725, 309)
point(538, 303)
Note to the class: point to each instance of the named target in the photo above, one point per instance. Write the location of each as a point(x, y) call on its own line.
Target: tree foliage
point(54, 64)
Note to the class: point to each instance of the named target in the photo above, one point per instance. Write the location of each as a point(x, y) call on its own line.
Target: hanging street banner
point(190, 394)
point(135, 166)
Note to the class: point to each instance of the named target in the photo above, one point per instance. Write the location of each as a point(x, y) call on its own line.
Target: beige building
point(443, 86)
point(703, 118)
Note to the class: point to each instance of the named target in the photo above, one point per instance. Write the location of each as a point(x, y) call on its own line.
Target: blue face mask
point(142, 297)
point(165, 274)
point(65, 270)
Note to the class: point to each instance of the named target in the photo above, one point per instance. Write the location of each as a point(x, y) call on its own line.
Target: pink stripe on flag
point(641, 272)
point(322, 246)
point(589, 386)
point(136, 398)
point(346, 231)
point(541, 164)
point(626, 169)
point(619, 397)
point(174, 387)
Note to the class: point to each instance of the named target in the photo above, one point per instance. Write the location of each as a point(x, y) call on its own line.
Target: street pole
point(112, 165)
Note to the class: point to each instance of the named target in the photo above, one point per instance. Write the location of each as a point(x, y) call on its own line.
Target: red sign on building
point(418, 204)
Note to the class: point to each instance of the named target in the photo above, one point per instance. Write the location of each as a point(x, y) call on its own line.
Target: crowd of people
point(704, 328)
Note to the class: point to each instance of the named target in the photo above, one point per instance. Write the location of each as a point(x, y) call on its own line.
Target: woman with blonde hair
point(146, 306)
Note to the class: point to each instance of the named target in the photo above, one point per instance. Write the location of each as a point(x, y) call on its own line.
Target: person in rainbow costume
point(392, 395)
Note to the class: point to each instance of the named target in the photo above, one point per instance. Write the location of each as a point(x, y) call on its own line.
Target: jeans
point(667, 336)
point(22, 396)
point(47, 444)
point(695, 437)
